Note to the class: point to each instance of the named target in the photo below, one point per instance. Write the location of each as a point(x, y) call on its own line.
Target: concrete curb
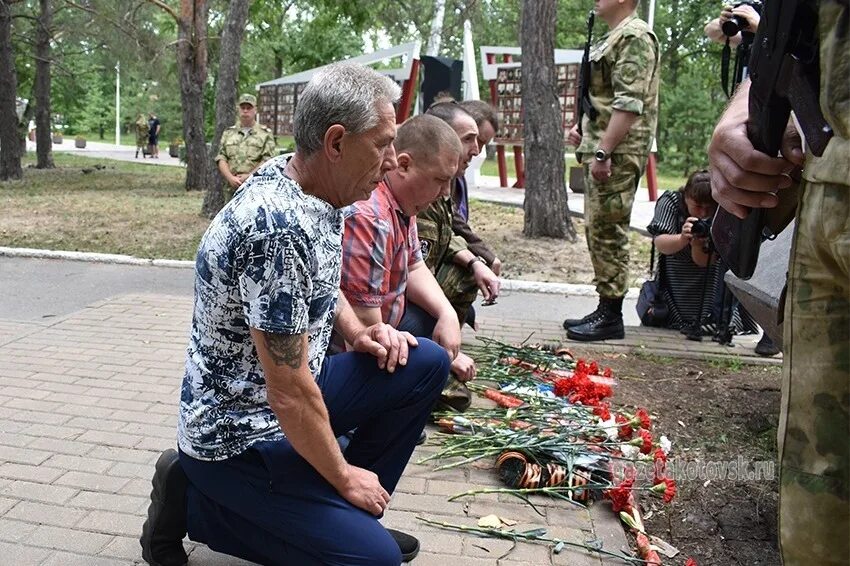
point(512, 285)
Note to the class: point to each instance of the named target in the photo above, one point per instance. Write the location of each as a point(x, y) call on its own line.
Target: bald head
point(427, 151)
point(424, 135)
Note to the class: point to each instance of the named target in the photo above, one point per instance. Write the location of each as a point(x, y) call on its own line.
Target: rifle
point(585, 106)
point(784, 70)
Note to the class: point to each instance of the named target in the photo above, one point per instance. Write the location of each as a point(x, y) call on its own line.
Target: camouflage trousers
point(607, 212)
point(459, 286)
point(814, 419)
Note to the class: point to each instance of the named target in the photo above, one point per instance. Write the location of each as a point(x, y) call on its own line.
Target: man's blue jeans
point(270, 506)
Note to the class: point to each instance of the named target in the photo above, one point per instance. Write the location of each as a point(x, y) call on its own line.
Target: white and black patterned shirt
point(270, 260)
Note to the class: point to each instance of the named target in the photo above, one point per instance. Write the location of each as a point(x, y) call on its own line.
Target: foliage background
point(91, 36)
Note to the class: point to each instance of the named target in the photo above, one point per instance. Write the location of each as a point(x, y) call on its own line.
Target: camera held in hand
point(736, 23)
point(701, 228)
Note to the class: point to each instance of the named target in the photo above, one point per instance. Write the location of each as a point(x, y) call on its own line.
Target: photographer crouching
point(689, 280)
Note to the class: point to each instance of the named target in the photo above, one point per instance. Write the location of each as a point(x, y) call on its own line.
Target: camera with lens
point(701, 228)
point(736, 23)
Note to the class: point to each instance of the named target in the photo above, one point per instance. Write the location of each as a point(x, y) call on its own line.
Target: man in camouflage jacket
point(613, 150)
point(244, 146)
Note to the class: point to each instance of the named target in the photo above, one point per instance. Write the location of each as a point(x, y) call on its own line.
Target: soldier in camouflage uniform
point(141, 135)
point(459, 271)
point(613, 150)
point(439, 247)
point(244, 146)
point(814, 420)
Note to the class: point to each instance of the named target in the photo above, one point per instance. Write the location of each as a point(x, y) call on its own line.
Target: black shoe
point(163, 532)
point(606, 325)
point(407, 544)
point(570, 322)
point(766, 347)
point(423, 436)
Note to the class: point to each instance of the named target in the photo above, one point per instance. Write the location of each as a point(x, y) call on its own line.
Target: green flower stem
point(528, 536)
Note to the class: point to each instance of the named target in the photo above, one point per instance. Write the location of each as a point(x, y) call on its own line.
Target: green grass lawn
point(124, 208)
point(117, 207)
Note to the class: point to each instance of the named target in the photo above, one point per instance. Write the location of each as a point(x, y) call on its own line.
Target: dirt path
point(545, 259)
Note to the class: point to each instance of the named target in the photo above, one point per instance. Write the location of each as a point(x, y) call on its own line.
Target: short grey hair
point(343, 93)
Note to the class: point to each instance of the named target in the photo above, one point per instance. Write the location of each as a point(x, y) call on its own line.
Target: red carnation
point(626, 431)
point(667, 487)
point(581, 366)
point(603, 411)
point(646, 441)
point(593, 369)
point(690, 562)
point(621, 496)
point(642, 419)
point(608, 372)
point(563, 386)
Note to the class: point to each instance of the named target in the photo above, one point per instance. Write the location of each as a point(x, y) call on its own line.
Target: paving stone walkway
point(89, 401)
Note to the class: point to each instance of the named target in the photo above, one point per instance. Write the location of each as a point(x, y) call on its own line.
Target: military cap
point(248, 99)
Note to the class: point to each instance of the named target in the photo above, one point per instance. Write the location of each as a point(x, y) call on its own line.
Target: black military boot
point(607, 325)
point(163, 532)
point(570, 322)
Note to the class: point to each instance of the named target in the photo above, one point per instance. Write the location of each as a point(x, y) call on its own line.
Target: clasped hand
point(388, 345)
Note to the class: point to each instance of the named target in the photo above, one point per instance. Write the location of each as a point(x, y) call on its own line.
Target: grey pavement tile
point(126, 548)
point(125, 454)
point(429, 559)
point(83, 411)
point(132, 470)
point(79, 463)
point(38, 492)
point(23, 455)
point(58, 446)
point(36, 417)
point(69, 559)
point(140, 487)
point(15, 531)
point(157, 444)
point(14, 439)
point(112, 523)
point(203, 556)
point(38, 474)
point(61, 432)
point(22, 555)
point(107, 501)
point(23, 393)
point(42, 513)
point(7, 503)
point(160, 431)
point(92, 482)
point(104, 438)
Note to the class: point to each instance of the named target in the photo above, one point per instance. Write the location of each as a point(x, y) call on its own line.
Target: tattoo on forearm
point(285, 349)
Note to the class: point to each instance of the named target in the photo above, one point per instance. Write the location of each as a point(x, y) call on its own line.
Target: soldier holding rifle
point(814, 421)
point(613, 142)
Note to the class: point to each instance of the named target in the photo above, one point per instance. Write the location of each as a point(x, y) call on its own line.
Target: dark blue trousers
point(270, 506)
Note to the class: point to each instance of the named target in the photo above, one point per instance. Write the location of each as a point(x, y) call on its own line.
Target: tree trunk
point(192, 69)
point(436, 35)
point(225, 97)
point(10, 145)
point(545, 206)
point(43, 138)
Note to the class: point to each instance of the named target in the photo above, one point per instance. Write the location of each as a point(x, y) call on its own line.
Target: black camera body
point(737, 24)
point(701, 228)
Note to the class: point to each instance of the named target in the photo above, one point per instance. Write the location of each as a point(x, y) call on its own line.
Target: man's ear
point(332, 143)
point(404, 162)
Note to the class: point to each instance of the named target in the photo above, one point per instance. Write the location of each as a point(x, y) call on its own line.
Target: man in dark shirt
point(153, 134)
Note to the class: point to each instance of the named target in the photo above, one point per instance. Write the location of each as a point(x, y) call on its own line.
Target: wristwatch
point(471, 262)
point(601, 155)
